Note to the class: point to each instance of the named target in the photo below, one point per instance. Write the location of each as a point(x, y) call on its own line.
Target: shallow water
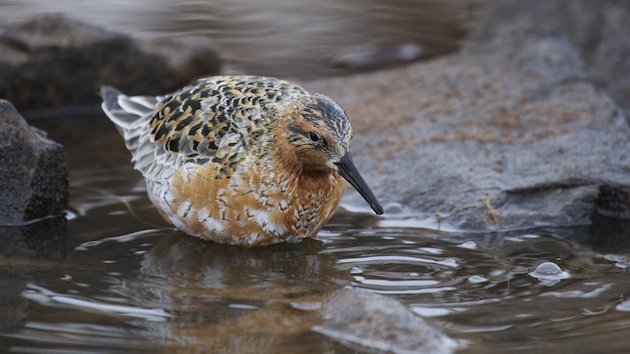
point(121, 280)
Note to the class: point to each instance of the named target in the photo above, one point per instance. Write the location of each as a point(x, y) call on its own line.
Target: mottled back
point(202, 119)
point(211, 120)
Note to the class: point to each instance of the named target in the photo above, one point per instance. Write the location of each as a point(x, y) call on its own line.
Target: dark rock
point(506, 134)
point(53, 61)
point(369, 321)
point(33, 171)
point(614, 201)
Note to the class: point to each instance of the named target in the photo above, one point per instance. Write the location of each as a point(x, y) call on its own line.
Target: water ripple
point(450, 263)
point(44, 296)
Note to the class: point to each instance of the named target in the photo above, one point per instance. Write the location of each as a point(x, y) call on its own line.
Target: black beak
point(346, 168)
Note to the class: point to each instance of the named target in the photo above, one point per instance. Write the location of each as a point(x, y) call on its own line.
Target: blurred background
point(304, 39)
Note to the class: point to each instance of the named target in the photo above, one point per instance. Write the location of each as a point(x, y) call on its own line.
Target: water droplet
point(549, 273)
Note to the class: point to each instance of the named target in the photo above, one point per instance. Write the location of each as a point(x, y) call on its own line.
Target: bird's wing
point(210, 121)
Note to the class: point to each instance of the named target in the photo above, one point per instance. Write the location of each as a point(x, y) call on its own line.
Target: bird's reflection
point(239, 300)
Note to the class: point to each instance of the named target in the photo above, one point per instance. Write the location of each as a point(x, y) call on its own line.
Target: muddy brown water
point(117, 279)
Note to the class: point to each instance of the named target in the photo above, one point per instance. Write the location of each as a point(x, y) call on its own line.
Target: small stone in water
point(549, 273)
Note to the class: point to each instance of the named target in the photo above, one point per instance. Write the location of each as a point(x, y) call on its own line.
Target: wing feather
point(208, 121)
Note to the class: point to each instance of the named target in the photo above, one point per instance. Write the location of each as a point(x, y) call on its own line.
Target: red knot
point(241, 160)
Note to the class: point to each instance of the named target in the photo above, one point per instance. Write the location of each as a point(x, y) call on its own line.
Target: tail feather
point(132, 115)
point(131, 106)
point(124, 110)
point(147, 101)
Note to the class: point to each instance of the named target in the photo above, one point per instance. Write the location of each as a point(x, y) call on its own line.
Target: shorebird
point(241, 160)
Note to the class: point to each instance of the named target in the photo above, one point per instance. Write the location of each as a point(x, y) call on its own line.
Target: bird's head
point(315, 135)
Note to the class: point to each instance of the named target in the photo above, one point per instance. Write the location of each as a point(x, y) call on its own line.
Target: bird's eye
point(314, 137)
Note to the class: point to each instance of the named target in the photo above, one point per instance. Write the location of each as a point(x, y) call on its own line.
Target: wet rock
point(53, 61)
point(373, 322)
point(33, 171)
point(509, 133)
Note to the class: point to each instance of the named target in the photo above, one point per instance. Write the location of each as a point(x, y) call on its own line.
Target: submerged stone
point(368, 321)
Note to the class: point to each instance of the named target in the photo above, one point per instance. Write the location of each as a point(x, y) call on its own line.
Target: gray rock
point(368, 321)
point(504, 135)
point(51, 61)
point(597, 29)
point(33, 171)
